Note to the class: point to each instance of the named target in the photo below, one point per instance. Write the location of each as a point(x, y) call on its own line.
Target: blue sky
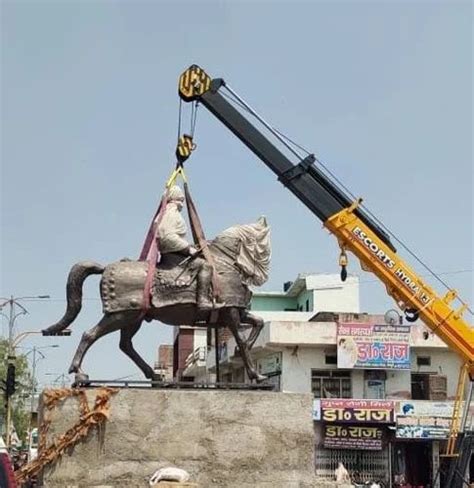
point(380, 91)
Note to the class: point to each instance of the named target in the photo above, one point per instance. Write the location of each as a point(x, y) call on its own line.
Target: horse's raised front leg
point(234, 325)
point(108, 323)
point(126, 345)
point(257, 326)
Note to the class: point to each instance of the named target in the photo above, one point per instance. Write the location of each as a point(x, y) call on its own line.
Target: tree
point(24, 390)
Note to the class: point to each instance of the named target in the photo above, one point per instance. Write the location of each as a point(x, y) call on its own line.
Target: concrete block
point(223, 439)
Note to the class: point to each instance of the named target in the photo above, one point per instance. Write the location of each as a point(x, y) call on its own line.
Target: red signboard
point(358, 411)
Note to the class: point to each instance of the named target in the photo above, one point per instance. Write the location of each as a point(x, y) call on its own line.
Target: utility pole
point(32, 391)
point(36, 352)
point(9, 391)
point(13, 302)
point(62, 379)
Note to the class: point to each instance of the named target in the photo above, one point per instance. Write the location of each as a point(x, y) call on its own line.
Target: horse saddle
point(175, 281)
point(123, 283)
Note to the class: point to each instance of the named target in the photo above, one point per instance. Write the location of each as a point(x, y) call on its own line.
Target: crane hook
point(184, 148)
point(343, 263)
point(411, 314)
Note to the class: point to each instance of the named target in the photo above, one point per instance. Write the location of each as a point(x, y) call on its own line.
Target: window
point(374, 384)
point(34, 438)
point(375, 389)
point(326, 383)
point(367, 465)
point(420, 387)
point(428, 386)
point(423, 361)
point(331, 359)
point(307, 305)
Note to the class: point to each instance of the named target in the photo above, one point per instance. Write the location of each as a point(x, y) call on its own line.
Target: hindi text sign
point(353, 437)
point(424, 419)
point(366, 346)
point(357, 411)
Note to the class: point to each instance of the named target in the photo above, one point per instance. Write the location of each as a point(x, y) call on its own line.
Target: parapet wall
point(224, 439)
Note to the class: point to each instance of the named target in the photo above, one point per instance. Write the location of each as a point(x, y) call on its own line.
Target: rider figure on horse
point(171, 238)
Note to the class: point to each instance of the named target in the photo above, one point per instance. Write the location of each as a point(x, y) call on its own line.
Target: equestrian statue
point(183, 288)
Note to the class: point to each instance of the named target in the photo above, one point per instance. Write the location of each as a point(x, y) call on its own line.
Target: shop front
point(412, 464)
point(422, 428)
point(355, 433)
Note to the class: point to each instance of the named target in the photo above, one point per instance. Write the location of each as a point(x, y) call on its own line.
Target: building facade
point(383, 389)
point(164, 362)
point(190, 347)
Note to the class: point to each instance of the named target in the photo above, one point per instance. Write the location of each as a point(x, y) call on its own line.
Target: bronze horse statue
point(241, 256)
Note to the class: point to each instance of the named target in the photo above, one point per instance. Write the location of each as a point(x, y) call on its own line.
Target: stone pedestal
point(223, 439)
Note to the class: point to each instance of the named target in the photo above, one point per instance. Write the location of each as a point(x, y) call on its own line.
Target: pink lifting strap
point(150, 252)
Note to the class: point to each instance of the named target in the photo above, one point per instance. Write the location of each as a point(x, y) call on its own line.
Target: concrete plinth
point(223, 439)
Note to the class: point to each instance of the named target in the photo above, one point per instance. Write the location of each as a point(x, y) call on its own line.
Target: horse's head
point(251, 248)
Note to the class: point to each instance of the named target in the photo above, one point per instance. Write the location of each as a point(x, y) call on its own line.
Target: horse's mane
point(254, 254)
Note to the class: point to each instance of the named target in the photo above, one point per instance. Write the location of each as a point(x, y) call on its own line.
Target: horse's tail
point(79, 272)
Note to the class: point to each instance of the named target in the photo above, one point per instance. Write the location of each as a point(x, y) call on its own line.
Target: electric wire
point(286, 141)
point(418, 259)
point(362, 282)
point(376, 219)
point(126, 377)
point(391, 233)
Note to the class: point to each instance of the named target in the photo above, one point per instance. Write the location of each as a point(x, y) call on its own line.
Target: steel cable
point(287, 141)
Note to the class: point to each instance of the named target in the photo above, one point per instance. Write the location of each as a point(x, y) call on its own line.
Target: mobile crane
point(355, 229)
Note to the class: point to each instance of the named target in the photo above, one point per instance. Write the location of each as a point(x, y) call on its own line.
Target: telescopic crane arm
point(354, 229)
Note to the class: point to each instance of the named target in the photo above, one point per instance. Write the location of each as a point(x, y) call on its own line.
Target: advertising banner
point(423, 419)
point(366, 346)
point(409, 427)
point(353, 437)
point(425, 408)
point(358, 411)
